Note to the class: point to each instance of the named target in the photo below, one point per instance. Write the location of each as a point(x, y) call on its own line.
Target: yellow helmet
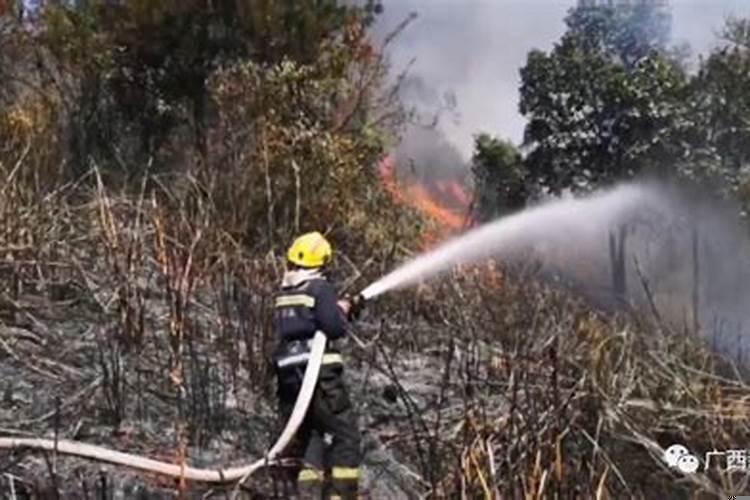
point(310, 250)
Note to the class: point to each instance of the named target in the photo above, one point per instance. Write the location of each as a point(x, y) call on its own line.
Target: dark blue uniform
point(329, 437)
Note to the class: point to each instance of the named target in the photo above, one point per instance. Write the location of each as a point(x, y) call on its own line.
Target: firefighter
point(328, 441)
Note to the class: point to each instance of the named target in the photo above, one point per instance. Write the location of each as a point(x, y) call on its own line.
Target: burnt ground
point(463, 388)
point(62, 375)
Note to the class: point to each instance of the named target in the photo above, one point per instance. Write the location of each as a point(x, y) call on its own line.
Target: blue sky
point(475, 48)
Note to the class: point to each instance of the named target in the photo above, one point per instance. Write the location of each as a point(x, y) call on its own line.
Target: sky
point(473, 49)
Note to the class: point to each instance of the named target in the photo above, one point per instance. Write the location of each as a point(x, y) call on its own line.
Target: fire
point(448, 205)
point(444, 202)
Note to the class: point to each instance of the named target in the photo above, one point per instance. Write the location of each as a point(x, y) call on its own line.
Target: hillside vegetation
point(157, 157)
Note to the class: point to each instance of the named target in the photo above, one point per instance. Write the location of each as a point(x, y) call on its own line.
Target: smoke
point(686, 252)
point(427, 155)
point(473, 50)
point(678, 250)
point(645, 244)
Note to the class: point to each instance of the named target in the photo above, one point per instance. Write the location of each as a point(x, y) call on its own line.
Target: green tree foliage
point(262, 117)
point(625, 32)
point(610, 102)
point(606, 103)
point(281, 161)
point(722, 105)
point(144, 65)
point(738, 33)
point(499, 176)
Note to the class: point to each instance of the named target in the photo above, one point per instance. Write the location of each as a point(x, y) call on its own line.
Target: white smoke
point(683, 253)
point(474, 49)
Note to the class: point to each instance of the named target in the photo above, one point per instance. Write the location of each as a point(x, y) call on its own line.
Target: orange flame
point(444, 202)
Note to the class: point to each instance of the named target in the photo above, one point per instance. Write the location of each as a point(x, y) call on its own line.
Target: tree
point(499, 177)
point(285, 103)
point(722, 103)
point(606, 103)
point(144, 65)
point(626, 32)
point(737, 32)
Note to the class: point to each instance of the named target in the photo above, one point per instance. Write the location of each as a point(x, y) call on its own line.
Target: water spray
point(560, 226)
point(559, 222)
point(671, 233)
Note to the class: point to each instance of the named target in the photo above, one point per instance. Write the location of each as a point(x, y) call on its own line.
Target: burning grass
point(445, 203)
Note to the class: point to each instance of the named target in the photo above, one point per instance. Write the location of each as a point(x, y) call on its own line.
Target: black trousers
point(329, 438)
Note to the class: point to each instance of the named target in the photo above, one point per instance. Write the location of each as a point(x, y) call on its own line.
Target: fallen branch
point(107, 455)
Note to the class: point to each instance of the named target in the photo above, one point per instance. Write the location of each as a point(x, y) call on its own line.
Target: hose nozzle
point(357, 305)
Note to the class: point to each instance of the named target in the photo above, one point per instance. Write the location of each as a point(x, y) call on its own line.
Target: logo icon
point(678, 457)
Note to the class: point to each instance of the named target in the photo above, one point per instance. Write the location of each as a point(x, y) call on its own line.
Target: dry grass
point(543, 398)
point(137, 320)
point(152, 329)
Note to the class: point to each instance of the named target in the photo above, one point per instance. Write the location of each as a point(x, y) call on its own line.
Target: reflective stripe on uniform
point(310, 475)
point(350, 473)
point(333, 358)
point(295, 300)
point(298, 359)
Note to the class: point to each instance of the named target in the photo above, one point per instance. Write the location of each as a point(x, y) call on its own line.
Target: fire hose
point(107, 455)
point(182, 471)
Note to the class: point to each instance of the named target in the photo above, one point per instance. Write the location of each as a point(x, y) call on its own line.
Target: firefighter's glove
point(357, 306)
point(352, 306)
